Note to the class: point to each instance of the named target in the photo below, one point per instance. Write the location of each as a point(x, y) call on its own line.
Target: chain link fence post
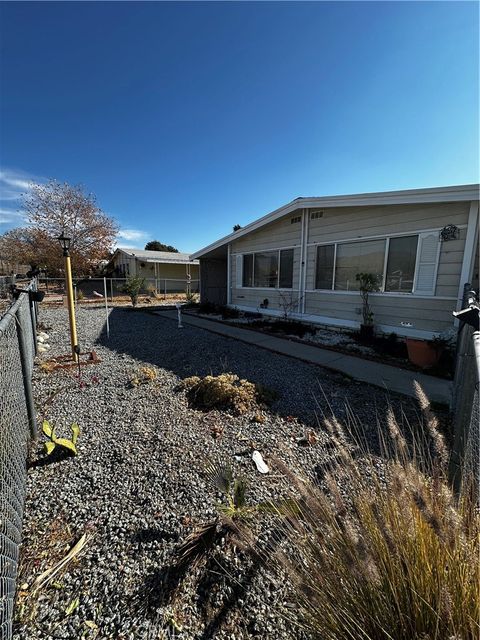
point(17, 425)
point(465, 458)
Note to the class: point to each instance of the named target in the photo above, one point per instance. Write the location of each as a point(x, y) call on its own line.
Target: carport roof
point(158, 256)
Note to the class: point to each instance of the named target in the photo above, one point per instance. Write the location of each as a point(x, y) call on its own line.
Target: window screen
point(358, 257)
point(286, 269)
point(402, 253)
point(324, 269)
point(247, 276)
point(266, 269)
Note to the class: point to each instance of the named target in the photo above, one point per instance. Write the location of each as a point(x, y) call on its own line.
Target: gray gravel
point(138, 487)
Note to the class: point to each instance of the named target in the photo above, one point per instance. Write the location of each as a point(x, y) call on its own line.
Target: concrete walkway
point(376, 373)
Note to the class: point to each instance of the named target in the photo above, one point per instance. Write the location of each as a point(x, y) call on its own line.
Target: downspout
point(471, 242)
point(305, 259)
point(300, 271)
point(229, 271)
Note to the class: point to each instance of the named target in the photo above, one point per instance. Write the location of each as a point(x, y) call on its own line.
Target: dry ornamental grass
point(384, 550)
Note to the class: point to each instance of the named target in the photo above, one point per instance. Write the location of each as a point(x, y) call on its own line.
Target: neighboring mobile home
point(303, 257)
point(163, 270)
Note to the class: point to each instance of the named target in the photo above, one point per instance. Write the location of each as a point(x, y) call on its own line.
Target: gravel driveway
point(138, 487)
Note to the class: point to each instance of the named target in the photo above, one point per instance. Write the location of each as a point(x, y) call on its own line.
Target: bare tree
point(52, 209)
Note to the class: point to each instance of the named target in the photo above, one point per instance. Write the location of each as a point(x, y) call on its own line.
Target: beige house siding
point(422, 313)
point(253, 298)
point(389, 312)
point(345, 223)
point(281, 233)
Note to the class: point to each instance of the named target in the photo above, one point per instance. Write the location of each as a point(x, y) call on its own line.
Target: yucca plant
point(234, 511)
point(384, 549)
point(63, 445)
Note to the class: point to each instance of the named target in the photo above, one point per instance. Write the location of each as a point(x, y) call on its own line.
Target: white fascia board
point(458, 193)
point(152, 261)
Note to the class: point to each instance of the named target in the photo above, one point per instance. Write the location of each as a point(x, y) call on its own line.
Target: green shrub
point(367, 283)
point(226, 391)
point(132, 288)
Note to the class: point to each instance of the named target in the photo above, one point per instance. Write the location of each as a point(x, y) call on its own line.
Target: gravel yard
point(137, 487)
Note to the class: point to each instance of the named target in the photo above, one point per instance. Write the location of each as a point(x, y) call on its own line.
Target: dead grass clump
point(144, 375)
point(226, 391)
point(45, 558)
point(384, 550)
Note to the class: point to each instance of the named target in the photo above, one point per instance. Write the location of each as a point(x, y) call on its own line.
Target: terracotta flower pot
point(423, 353)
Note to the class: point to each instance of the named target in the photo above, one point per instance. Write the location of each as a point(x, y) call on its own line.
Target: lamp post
point(65, 243)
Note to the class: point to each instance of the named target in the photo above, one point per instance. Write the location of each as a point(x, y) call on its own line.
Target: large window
point(337, 265)
point(265, 269)
point(402, 253)
point(268, 269)
point(358, 257)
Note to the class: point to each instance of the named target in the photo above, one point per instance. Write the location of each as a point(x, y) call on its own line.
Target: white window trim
point(277, 287)
point(289, 246)
point(382, 291)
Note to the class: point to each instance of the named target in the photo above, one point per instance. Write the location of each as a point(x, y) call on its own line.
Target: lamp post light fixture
point(65, 244)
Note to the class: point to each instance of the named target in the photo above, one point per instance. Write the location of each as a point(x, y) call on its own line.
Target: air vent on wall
point(316, 214)
point(296, 219)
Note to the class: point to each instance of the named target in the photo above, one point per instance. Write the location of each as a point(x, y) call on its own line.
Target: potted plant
point(427, 353)
point(368, 283)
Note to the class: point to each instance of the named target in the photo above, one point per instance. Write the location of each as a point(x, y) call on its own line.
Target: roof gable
point(411, 196)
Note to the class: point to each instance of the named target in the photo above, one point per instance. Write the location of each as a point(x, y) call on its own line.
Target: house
point(303, 258)
point(163, 270)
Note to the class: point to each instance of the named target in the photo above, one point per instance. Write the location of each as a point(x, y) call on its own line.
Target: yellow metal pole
point(71, 309)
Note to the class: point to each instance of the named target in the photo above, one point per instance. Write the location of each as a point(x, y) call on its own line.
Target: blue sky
point(187, 118)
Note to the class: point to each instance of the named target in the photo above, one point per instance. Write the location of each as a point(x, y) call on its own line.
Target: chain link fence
point(465, 461)
point(17, 426)
point(89, 289)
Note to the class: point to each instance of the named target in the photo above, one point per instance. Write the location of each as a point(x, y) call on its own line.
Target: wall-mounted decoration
point(450, 232)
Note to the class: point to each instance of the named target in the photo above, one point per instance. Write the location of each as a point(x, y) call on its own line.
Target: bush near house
point(286, 327)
